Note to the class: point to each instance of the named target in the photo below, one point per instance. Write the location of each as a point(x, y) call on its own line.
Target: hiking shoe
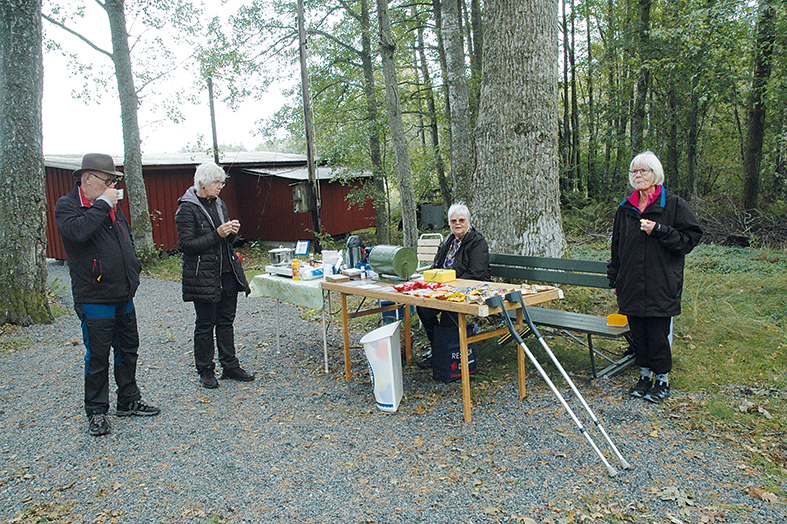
point(138, 408)
point(98, 424)
point(426, 362)
point(658, 393)
point(237, 374)
point(208, 379)
point(641, 388)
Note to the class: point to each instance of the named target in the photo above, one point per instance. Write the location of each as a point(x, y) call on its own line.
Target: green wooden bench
point(588, 273)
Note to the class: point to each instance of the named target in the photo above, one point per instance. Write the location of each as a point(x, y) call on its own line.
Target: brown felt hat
point(98, 162)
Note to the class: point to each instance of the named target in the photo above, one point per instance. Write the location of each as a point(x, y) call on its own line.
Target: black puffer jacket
point(102, 262)
point(647, 270)
point(472, 257)
point(201, 245)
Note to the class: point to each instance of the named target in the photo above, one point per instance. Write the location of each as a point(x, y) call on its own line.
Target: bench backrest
point(590, 273)
point(428, 244)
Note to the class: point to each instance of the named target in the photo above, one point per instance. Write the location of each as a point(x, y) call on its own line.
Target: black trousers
point(652, 347)
point(106, 326)
point(434, 317)
point(216, 317)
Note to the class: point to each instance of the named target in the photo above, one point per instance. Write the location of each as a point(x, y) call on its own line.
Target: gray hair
point(651, 161)
point(207, 173)
point(460, 209)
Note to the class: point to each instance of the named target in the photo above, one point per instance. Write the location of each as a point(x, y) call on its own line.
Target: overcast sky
point(72, 126)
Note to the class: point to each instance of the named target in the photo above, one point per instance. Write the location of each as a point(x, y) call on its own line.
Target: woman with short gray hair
point(465, 251)
point(653, 232)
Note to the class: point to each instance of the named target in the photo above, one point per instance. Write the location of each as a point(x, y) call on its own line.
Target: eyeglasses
point(638, 171)
point(109, 181)
point(219, 183)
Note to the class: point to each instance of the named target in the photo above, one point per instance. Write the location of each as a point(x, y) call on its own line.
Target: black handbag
point(446, 353)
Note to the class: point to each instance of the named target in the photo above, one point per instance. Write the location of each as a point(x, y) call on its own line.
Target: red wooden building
point(259, 192)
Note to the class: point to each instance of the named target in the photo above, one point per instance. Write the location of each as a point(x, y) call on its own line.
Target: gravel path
point(297, 445)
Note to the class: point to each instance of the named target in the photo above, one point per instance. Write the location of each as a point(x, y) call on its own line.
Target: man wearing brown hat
point(104, 278)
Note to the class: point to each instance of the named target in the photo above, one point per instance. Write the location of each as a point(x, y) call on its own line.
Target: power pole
point(213, 122)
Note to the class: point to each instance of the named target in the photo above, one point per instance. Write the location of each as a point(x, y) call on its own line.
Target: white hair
point(460, 209)
point(652, 162)
point(207, 173)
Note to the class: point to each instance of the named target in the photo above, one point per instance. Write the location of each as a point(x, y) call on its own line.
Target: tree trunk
point(576, 160)
point(593, 185)
point(141, 227)
point(568, 180)
point(23, 297)
point(516, 203)
point(755, 129)
point(476, 59)
point(671, 175)
point(643, 82)
point(383, 235)
point(462, 154)
point(442, 180)
point(403, 172)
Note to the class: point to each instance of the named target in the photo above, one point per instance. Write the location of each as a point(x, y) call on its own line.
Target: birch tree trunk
point(383, 234)
point(404, 174)
point(22, 202)
point(515, 184)
point(462, 153)
point(132, 144)
point(434, 132)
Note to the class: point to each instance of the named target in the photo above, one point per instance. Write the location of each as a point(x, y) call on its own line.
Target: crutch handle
point(516, 296)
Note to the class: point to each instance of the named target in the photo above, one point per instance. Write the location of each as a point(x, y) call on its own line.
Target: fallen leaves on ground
point(762, 494)
point(681, 497)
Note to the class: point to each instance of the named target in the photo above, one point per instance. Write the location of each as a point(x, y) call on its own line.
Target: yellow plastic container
point(616, 319)
point(439, 275)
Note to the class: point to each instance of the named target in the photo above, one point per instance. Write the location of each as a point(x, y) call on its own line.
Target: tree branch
point(69, 30)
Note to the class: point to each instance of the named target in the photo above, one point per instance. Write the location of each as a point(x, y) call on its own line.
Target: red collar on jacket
point(634, 198)
point(86, 203)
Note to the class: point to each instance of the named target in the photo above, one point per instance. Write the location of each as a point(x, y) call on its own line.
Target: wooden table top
point(384, 291)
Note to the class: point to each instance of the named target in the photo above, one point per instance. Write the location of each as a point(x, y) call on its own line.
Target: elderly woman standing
point(654, 230)
point(212, 273)
point(465, 251)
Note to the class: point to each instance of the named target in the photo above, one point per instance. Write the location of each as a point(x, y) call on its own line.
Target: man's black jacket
point(101, 259)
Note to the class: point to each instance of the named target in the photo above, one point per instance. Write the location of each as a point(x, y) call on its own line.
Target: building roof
point(260, 163)
point(229, 159)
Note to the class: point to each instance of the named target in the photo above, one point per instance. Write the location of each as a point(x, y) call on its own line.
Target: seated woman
point(465, 251)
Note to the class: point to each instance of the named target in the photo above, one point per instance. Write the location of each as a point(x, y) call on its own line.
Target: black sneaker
point(98, 424)
point(138, 408)
point(208, 379)
point(658, 393)
point(641, 388)
point(237, 374)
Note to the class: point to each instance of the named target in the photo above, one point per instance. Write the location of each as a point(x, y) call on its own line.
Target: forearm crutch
point(497, 301)
point(516, 296)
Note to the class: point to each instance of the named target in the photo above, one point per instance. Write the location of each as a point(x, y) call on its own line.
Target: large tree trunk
point(403, 171)
point(22, 202)
point(755, 129)
point(462, 154)
point(516, 203)
point(132, 144)
point(383, 235)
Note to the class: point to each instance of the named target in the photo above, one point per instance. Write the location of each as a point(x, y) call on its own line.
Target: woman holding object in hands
point(654, 230)
point(212, 273)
